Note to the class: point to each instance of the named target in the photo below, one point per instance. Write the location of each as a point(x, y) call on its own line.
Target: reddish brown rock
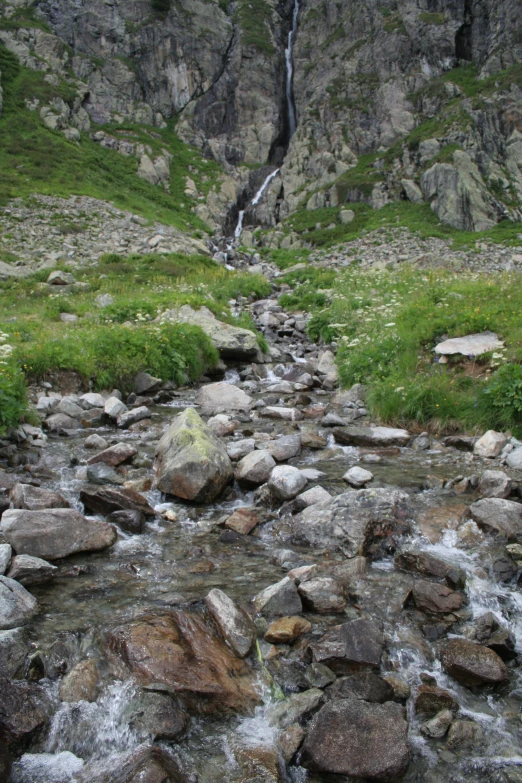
point(472, 664)
point(243, 520)
point(287, 629)
point(114, 455)
point(435, 598)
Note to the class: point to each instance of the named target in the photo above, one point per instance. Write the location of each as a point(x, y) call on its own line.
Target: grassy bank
point(387, 324)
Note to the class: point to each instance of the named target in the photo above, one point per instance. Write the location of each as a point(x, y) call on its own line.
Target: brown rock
point(114, 455)
point(105, 500)
point(430, 700)
point(472, 664)
point(243, 520)
point(287, 629)
point(35, 498)
point(81, 683)
point(428, 565)
point(290, 741)
point(435, 598)
point(350, 646)
point(20, 716)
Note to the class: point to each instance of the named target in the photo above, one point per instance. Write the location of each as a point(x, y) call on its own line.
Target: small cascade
point(255, 201)
point(239, 227)
point(289, 57)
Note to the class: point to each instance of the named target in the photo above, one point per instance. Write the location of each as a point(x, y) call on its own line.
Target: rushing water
point(255, 201)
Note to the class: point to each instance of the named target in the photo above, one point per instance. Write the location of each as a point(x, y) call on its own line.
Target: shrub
point(502, 397)
point(12, 387)
point(161, 6)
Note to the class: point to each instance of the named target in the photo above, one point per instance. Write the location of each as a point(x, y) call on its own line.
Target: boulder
point(95, 441)
point(175, 652)
point(20, 715)
point(106, 500)
point(514, 459)
point(470, 346)
point(127, 419)
point(365, 686)
point(69, 408)
point(191, 462)
point(255, 468)
point(35, 498)
point(312, 496)
point(240, 448)
point(222, 425)
point(91, 400)
point(279, 412)
point(285, 447)
point(131, 521)
point(323, 595)
point(157, 715)
point(286, 482)
point(437, 727)
point(368, 521)
point(30, 570)
point(145, 764)
point(60, 421)
point(296, 707)
point(222, 398)
point(286, 629)
point(358, 739)
point(232, 342)
point(464, 734)
point(495, 484)
point(5, 557)
point(100, 473)
point(279, 599)
point(349, 646)
point(234, 624)
point(472, 664)
point(243, 520)
point(146, 384)
point(114, 407)
point(431, 699)
point(490, 445)
point(114, 455)
point(497, 515)
point(81, 683)
point(92, 417)
point(17, 605)
point(435, 598)
point(55, 533)
point(14, 646)
point(371, 436)
point(428, 565)
point(358, 477)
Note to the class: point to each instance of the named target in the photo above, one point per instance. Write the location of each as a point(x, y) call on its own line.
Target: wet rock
point(191, 462)
point(6, 762)
point(323, 595)
point(175, 651)
point(401, 689)
point(128, 419)
point(464, 734)
point(222, 398)
point(128, 520)
point(286, 629)
point(105, 500)
point(312, 440)
point(36, 498)
point(349, 647)
point(368, 521)
point(358, 477)
point(301, 573)
point(290, 740)
point(146, 384)
point(30, 570)
point(312, 496)
point(222, 425)
point(497, 515)
point(490, 444)
point(353, 738)
point(460, 442)
point(286, 482)
point(279, 599)
point(157, 714)
point(430, 700)
point(436, 598)
point(95, 442)
point(319, 676)
point(17, 605)
point(489, 632)
point(103, 474)
point(371, 436)
point(472, 664)
point(234, 624)
point(255, 468)
point(297, 706)
point(504, 569)
point(60, 421)
point(285, 447)
point(514, 459)
point(114, 455)
point(350, 571)
point(429, 565)
point(13, 651)
point(5, 557)
point(240, 448)
point(20, 715)
point(437, 727)
point(365, 685)
point(55, 533)
point(81, 683)
point(495, 484)
point(146, 764)
point(243, 520)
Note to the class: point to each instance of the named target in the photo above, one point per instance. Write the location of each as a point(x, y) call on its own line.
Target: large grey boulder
point(55, 533)
point(5, 557)
point(30, 570)
point(498, 515)
point(191, 462)
point(222, 398)
point(360, 740)
point(35, 498)
point(495, 484)
point(232, 342)
point(14, 646)
point(490, 445)
point(371, 436)
point(235, 625)
point(285, 447)
point(363, 522)
point(286, 482)
point(514, 459)
point(17, 605)
point(458, 195)
point(255, 468)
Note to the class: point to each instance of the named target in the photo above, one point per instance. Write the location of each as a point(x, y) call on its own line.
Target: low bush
point(12, 387)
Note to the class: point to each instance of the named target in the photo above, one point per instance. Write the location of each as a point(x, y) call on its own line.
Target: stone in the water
point(350, 646)
point(157, 714)
point(286, 482)
point(428, 565)
point(495, 484)
point(59, 421)
point(431, 699)
point(365, 686)
point(279, 599)
point(255, 468)
point(471, 345)
point(498, 515)
point(91, 400)
point(243, 520)
point(30, 570)
point(13, 651)
point(95, 442)
point(106, 500)
point(240, 448)
point(357, 739)
point(5, 557)
point(371, 436)
point(490, 444)
point(131, 521)
point(191, 462)
point(20, 714)
point(222, 398)
point(114, 455)
point(438, 726)
point(55, 533)
point(312, 496)
point(235, 625)
point(175, 652)
point(472, 664)
point(81, 683)
point(435, 598)
point(323, 595)
point(294, 708)
point(17, 605)
point(286, 629)
point(36, 498)
point(103, 474)
point(358, 477)
point(222, 425)
point(464, 734)
point(146, 764)
point(146, 384)
point(279, 412)
point(114, 407)
point(285, 447)
point(128, 418)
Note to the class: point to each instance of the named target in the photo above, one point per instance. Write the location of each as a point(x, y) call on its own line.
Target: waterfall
point(289, 52)
point(239, 227)
point(255, 201)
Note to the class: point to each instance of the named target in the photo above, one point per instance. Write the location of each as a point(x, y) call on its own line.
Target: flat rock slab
point(222, 397)
point(472, 664)
point(114, 455)
point(498, 515)
point(472, 345)
point(371, 436)
point(35, 498)
point(349, 646)
point(106, 500)
point(358, 739)
point(55, 533)
point(234, 624)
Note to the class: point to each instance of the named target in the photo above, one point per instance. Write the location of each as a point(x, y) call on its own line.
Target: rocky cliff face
point(417, 99)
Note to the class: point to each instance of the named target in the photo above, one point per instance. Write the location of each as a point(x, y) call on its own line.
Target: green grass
point(432, 18)
point(254, 17)
point(387, 324)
